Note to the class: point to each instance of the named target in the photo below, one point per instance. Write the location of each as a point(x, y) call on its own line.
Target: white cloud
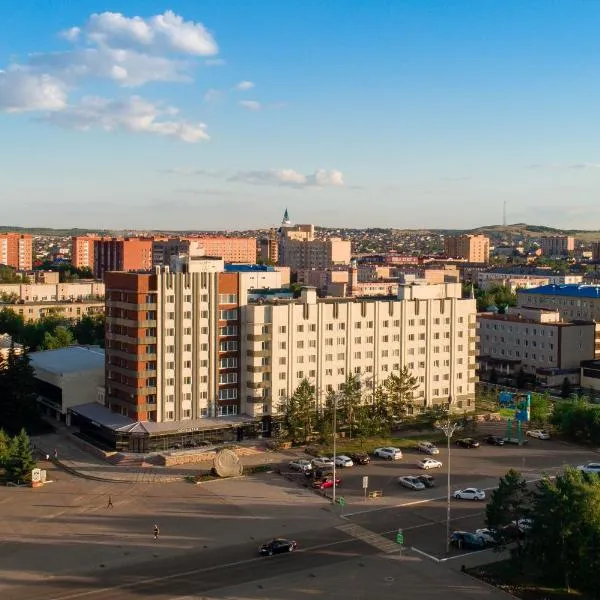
point(243, 86)
point(160, 33)
point(290, 178)
point(212, 95)
point(251, 104)
point(21, 91)
point(134, 115)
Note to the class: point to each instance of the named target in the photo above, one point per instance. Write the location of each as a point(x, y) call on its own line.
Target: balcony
point(258, 337)
point(255, 399)
point(258, 353)
point(257, 385)
point(261, 369)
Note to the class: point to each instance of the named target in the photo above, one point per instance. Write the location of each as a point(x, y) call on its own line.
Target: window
point(187, 364)
point(357, 355)
point(228, 315)
point(385, 338)
point(228, 394)
point(187, 380)
point(312, 327)
point(341, 341)
point(329, 341)
point(300, 328)
point(300, 374)
point(187, 347)
point(384, 353)
point(340, 370)
point(282, 360)
point(370, 339)
point(328, 372)
point(228, 363)
point(385, 324)
point(225, 346)
point(282, 329)
point(312, 343)
point(228, 378)
point(187, 331)
point(411, 322)
point(228, 299)
point(341, 356)
point(422, 322)
point(187, 314)
point(329, 327)
point(328, 357)
point(357, 340)
point(282, 376)
point(396, 337)
point(411, 337)
point(226, 411)
point(341, 326)
point(312, 373)
point(300, 344)
point(369, 324)
point(228, 330)
point(369, 354)
point(356, 370)
point(170, 315)
point(300, 359)
point(312, 358)
point(282, 345)
point(187, 298)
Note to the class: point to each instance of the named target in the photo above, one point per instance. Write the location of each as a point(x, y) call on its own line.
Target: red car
point(326, 483)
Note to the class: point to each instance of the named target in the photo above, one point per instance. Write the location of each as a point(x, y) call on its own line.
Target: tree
point(90, 330)
point(349, 400)
point(4, 448)
point(61, 338)
point(21, 461)
point(509, 502)
point(566, 389)
point(299, 412)
point(540, 410)
point(400, 389)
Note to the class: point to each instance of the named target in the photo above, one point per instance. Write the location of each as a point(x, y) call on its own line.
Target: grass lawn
point(504, 575)
point(345, 446)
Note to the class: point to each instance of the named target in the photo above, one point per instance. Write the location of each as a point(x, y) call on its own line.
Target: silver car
point(427, 448)
point(411, 482)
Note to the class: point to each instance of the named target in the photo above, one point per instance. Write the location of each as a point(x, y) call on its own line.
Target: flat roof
point(244, 268)
point(72, 359)
point(574, 290)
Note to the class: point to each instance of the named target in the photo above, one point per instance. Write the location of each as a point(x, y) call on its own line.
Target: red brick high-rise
point(16, 250)
point(122, 254)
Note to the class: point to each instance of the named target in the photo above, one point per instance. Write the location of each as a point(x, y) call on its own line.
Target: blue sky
point(206, 114)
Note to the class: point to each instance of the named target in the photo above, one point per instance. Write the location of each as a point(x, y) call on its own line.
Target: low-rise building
point(34, 311)
point(54, 292)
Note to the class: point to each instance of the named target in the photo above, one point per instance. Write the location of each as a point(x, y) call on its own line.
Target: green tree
point(299, 412)
point(400, 390)
point(4, 448)
point(540, 410)
point(509, 502)
point(20, 461)
point(90, 330)
point(349, 400)
point(61, 338)
point(566, 389)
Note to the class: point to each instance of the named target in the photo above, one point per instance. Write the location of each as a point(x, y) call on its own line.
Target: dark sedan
point(467, 443)
point(494, 440)
point(465, 540)
point(426, 480)
point(360, 458)
point(277, 546)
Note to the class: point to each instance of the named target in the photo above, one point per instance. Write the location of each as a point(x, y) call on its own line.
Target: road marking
point(429, 556)
point(373, 539)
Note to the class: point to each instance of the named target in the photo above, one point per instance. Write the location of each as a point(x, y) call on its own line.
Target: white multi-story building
point(428, 328)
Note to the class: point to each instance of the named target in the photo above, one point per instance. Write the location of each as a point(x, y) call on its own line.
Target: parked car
point(427, 448)
point(322, 462)
point(426, 480)
point(489, 536)
point(469, 494)
point(360, 458)
point(411, 482)
point(591, 467)
point(539, 434)
point(343, 461)
point(516, 529)
point(467, 443)
point(429, 463)
point(389, 453)
point(277, 546)
point(466, 540)
point(494, 440)
point(300, 465)
point(324, 484)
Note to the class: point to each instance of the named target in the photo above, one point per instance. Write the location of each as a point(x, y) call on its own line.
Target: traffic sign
point(365, 482)
point(400, 537)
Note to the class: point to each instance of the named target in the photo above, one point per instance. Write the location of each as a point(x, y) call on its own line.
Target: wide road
point(195, 572)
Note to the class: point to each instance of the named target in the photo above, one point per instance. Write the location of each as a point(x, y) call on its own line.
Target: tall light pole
point(448, 428)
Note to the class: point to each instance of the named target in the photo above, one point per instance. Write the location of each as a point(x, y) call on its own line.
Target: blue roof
point(234, 268)
point(575, 290)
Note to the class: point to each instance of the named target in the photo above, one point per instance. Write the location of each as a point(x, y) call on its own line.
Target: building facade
point(472, 248)
point(557, 245)
point(16, 251)
point(72, 310)
point(230, 249)
point(82, 251)
point(54, 292)
point(572, 301)
point(428, 328)
point(122, 254)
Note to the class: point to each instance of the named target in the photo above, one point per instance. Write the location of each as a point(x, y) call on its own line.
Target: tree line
point(360, 411)
point(561, 540)
point(578, 420)
point(16, 457)
point(52, 331)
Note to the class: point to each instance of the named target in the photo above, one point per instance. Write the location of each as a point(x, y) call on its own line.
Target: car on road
point(360, 458)
point(325, 484)
point(494, 440)
point(427, 480)
point(466, 540)
point(469, 494)
point(277, 546)
point(300, 465)
point(427, 448)
point(467, 443)
point(343, 461)
point(539, 434)
point(322, 462)
point(388, 452)
point(591, 467)
point(411, 482)
point(489, 536)
point(429, 463)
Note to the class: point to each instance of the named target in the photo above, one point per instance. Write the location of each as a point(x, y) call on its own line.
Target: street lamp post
point(448, 428)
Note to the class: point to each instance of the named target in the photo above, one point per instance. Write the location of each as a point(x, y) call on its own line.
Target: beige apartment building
point(299, 249)
point(557, 245)
point(536, 340)
point(73, 310)
point(428, 328)
point(230, 249)
point(55, 292)
point(472, 248)
point(572, 301)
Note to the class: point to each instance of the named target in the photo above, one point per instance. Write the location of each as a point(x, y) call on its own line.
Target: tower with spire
point(286, 219)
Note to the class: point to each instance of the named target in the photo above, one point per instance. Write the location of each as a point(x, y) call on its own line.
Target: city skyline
point(201, 116)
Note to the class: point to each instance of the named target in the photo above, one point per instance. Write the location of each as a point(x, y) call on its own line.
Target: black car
point(494, 440)
point(277, 546)
point(467, 443)
point(466, 540)
point(426, 480)
point(360, 458)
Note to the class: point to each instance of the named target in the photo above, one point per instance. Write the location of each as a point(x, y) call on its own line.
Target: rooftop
point(72, 359)
point(574, 290)
point(243, 268)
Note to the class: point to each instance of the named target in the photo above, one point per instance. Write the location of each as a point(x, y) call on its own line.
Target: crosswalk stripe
point(373, 539)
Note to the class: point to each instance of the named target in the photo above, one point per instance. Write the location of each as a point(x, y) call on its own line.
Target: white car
point(322, 462)
point(487, 536)
point(540, 434)
point(343, 461)
point(591, 467)
point(523, 524)
point(411, 482)
point(389, 453)
point(300, 465)
point(469, 494)
point(427, 448)
point(429, 463)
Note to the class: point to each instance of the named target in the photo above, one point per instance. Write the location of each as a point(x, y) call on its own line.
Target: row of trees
point(361, 411)
point(561, 547)
point(16, 457)
point(578, 420)
point(52, 331)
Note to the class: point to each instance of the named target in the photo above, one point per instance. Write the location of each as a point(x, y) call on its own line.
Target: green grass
point(346, 446)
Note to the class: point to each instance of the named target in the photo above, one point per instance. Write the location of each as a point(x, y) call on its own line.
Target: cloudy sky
point(200, 114)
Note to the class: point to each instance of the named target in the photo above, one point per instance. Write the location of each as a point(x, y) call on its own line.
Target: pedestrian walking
point(110, 504)
point(47, 456)
point(55, 453)
point(156, 531)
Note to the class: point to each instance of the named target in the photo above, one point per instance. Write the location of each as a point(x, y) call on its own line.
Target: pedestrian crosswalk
point(373, 539)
